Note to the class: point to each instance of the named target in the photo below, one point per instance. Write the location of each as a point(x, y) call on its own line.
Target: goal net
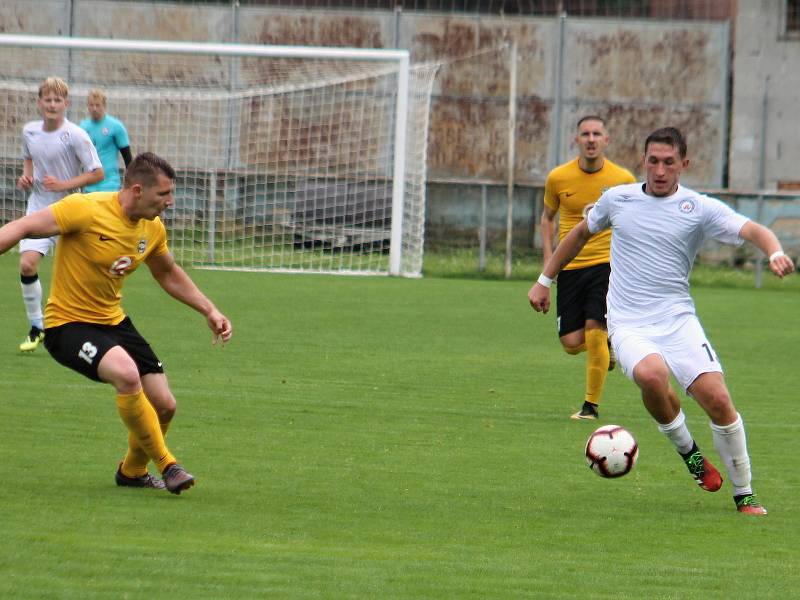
point(288, 158)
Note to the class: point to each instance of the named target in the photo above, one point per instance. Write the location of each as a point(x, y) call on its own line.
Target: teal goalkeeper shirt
point(108, 136)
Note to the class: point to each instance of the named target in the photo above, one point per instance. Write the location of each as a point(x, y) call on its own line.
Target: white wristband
point(544, 280)
point(775, 255)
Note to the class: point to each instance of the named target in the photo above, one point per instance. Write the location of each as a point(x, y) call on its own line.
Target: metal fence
point(475, 218)
point(640, 9)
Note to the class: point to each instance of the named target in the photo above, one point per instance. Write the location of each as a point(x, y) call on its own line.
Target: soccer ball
point(611, 451)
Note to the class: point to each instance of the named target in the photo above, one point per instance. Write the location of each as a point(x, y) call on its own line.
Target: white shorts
point(40, 245)
point(680, 341)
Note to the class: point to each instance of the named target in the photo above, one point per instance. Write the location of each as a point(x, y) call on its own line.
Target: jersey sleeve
point(551, 200)
point(721, 222)
point(599, 218)
point(73, 213)
point(121, 136)
point(86, 152)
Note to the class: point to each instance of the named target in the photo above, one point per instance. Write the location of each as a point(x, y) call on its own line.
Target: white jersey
point(64, 153)
point(654, 243)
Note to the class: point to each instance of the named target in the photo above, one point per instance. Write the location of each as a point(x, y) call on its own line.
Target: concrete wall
point(640, 74)
point(765, 125)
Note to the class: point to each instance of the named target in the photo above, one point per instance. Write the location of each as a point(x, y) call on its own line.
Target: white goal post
point(289, 158)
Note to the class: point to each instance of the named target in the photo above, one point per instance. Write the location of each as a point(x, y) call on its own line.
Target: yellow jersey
point(572, 192)
point(99, 246)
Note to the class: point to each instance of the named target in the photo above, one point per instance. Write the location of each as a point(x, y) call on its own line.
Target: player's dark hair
point(145, 168)
point(671, 136)
point(590, 118)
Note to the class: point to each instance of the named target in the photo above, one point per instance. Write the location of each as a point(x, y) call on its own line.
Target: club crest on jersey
point(686, 206)
point(142, 246)
point(120, 266)
point(105, 131)
point(64, 137)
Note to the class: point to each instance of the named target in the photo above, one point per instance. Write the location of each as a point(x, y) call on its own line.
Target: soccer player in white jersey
point(58, 159)
point(658, 227)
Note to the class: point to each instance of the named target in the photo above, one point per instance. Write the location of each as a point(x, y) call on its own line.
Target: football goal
point(289, 158)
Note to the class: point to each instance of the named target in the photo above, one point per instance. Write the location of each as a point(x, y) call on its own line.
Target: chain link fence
point(642, 9)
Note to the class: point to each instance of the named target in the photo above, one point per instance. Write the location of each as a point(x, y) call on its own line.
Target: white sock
point(32, 297)
point(678, 433)
point(731, 444)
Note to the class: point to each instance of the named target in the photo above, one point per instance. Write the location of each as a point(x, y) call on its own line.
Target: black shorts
point(81, 346)
point(581, 295)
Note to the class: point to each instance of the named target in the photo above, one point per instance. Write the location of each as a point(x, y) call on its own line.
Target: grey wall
point(640, 74)
point(765, 125)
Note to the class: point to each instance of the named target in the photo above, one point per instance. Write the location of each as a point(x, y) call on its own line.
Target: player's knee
point(718, 404)
point(574, 349)
point(28, 266)
point(166, 407)
point(651, 381)
point(118, 369)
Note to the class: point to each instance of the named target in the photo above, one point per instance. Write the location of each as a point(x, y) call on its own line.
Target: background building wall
point(640, 74)
point(765, 124)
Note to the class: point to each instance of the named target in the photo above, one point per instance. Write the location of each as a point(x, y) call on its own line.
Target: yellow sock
point(141, 420)
point(596, 363)
point(135, 462)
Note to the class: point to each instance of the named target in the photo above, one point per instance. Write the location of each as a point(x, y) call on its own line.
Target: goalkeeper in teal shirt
point(110, 137)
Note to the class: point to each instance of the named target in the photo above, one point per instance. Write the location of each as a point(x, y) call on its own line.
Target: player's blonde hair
point(54, 85)
point(98, 95)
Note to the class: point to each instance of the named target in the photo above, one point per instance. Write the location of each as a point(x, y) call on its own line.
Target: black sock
point(690, 452)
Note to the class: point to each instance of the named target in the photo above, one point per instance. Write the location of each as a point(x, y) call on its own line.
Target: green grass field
point(388, 438)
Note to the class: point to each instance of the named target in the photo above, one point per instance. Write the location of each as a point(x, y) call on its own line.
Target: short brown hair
point(145, 168)
point(590, 118)
point(671, 136)
point(54, 85)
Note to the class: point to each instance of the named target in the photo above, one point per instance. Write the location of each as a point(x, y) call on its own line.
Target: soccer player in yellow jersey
point(105, 236)
point(570, 192)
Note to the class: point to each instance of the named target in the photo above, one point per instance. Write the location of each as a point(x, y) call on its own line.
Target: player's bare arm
point(765, 240)
point(575, 240)
point(26, 179)
point(174, 280)
point(547, 225)
point(40, 224)
point(53, 184)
